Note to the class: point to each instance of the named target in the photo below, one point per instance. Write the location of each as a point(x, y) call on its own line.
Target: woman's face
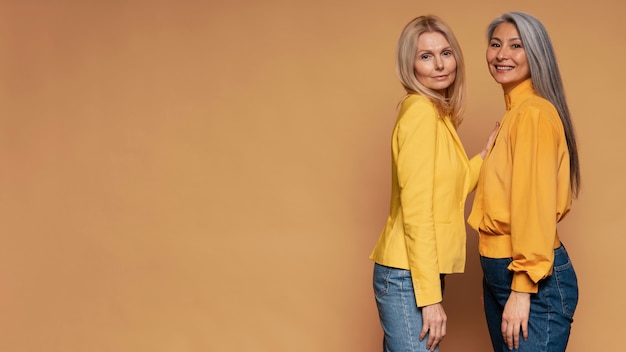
point(506, 57)
point(435, 65)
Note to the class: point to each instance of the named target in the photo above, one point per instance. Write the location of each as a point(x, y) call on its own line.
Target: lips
point(504, 68)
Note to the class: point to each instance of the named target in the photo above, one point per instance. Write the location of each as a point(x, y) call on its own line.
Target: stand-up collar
point(518, 93)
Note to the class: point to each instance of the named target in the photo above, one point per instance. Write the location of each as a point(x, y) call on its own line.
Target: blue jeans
point(551, 308)
point(400, 317)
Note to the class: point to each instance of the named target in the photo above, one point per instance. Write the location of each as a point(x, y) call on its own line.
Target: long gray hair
point(545, 75)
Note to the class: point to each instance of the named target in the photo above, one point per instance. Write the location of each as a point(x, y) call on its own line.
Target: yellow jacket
point(524, 188)
point(431, 177)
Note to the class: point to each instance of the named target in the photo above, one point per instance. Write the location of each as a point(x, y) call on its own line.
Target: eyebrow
point(512, 39)
point(448, 48)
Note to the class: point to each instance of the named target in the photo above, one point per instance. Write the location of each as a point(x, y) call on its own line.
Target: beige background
point(212, 175)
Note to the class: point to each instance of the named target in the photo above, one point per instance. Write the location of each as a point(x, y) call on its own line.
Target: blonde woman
point(424, 236)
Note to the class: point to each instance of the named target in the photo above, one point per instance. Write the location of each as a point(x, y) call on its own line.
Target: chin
point(500, 80)
point(440, 87)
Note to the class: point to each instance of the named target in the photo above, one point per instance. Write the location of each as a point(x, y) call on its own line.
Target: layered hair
point(452, 102)
point(545, 76)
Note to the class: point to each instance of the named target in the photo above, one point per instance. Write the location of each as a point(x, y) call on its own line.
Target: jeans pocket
point(381, 280)
point(496, 273)
point(567, 284)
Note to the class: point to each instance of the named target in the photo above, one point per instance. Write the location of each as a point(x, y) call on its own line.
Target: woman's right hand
point(489, 143)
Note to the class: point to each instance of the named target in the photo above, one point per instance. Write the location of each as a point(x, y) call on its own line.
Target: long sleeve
point(524, 188)
point(425, 230)
point(416, 140)
point(534, 150)
point(475, 164)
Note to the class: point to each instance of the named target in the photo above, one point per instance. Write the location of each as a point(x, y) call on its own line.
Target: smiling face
point(506, 57)
point(435, 65)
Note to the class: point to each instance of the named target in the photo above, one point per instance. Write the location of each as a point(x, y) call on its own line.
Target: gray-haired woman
point(525, 188)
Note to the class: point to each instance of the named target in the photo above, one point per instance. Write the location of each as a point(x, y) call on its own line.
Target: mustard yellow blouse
point(524, 188)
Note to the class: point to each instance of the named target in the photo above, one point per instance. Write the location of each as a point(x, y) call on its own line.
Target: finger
point(437, 342)
point(495, 129)
point(433, 341)
point(525, 330)
point(516, 331)
point(423, 332)
point(433, 347)
point(432, 338)
point(508, 336)
point(503, 329)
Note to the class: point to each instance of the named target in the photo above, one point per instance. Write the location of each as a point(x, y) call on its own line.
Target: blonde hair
point(452, 102)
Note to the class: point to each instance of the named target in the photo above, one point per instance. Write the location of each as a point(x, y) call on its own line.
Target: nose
point(438, 63)
point(503, 54)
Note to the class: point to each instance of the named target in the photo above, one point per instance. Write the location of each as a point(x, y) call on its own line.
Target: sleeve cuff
point(428, 294)
point(422, 300)
point(523, 283)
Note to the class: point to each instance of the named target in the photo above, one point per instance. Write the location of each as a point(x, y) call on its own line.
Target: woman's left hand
point(434, 324)
point(515, 318)
point(489, 143)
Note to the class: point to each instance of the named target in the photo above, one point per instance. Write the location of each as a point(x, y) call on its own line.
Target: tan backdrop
point(212, 175)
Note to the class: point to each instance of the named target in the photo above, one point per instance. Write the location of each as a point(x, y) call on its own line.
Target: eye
point(516, 46)
point(494, 45)
point(425, 56)
point(447, 53)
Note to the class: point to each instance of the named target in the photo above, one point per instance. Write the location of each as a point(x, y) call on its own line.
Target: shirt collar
point(521, 91)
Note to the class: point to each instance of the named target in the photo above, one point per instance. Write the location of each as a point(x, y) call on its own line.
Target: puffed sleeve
point(416, 138)
point(534, 150)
